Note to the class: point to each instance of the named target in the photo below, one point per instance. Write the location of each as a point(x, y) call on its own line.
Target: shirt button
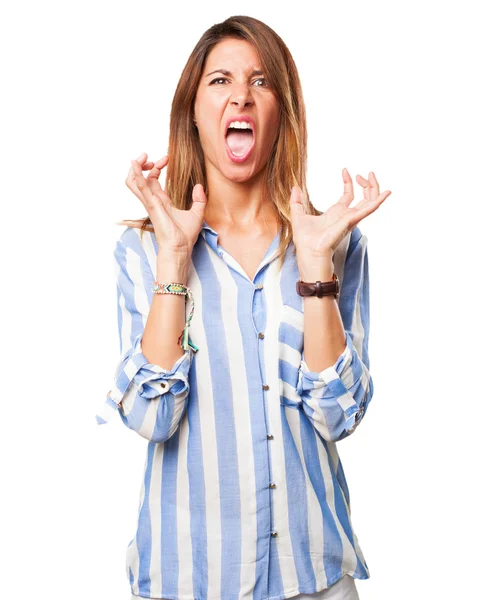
point(265, 387)
point(261, 335)
point(272, 485)
point(259, 286)
point(274, 534)
point(270, 436)
point(220, 253)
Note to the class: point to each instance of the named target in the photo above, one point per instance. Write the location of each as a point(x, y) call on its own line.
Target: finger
point(366, 207)
point(296, 203)
point(373, 186)
point(154, 174)
point(156, 190)
point(199, 201)
point(348, 194)
point(145, 166)
point(141, 160)
point(158, 166)
point(352, 217)
point(140, 183)
point(131, 183)
point(364, 183)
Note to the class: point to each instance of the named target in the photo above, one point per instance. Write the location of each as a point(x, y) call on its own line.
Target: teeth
point(239, 125)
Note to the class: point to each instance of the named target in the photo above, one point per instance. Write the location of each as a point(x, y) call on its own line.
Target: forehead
point(232, 54)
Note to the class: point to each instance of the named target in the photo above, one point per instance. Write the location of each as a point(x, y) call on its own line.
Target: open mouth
point(239, 143)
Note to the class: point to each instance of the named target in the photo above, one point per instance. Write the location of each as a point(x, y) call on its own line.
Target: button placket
point(266, 388)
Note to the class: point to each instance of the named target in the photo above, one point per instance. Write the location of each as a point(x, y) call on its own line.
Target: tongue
point(239, 142)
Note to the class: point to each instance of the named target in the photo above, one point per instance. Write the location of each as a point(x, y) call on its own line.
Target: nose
point(241, 101)
point(241, 95)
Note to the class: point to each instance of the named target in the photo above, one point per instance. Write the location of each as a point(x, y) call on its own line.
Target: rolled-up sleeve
point(151, 400)
point(336, 399)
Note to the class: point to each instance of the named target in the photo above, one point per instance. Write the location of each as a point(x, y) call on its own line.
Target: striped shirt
point(243, 495)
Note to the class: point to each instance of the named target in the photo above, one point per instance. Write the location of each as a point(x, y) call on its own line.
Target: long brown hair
point(287, 164)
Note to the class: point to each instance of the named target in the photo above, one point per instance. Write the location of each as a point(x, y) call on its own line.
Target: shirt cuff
point(150, 380)
point(335, 383)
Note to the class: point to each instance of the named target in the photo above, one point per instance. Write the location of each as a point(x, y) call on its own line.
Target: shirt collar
point(206, 226)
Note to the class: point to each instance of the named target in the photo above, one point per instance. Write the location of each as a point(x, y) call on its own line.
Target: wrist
point(172, 268)
point(172, 276)
point(317, 272)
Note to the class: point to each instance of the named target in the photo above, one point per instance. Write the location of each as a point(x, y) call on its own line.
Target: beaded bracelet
point(179, 288)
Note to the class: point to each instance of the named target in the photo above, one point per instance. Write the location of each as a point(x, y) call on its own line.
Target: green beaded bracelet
point(178, 288)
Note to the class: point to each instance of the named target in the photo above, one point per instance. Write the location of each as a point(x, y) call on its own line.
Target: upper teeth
point(240, 125)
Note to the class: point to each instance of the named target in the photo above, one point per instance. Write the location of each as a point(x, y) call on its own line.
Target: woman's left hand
point(316, 237)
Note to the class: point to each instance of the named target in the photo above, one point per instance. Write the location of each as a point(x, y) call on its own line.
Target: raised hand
point(176, 230)
point(316, 237)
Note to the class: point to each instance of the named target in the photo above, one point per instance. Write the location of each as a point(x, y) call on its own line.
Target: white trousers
point(343, 589)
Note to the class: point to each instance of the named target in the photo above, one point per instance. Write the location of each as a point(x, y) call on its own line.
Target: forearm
point(167, 317)
point(324, 335)
point(334, 382)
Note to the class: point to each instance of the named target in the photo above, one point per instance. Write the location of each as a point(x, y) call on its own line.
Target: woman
point(244, 495)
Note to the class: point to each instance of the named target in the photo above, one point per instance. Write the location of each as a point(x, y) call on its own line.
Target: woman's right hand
point(176, 230)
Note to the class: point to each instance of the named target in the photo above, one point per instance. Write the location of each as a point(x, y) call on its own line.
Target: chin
point(239, 172)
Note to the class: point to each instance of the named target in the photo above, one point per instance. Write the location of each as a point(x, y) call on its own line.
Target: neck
point(239, 205)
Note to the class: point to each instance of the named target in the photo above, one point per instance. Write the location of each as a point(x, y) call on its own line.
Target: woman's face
point(242, 92)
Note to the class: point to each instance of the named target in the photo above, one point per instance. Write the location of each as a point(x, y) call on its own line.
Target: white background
point(389, 87)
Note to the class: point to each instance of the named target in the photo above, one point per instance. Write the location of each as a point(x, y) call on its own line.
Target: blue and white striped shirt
point(244, 495)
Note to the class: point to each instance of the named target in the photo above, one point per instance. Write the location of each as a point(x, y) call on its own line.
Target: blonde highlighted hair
point(286, 166)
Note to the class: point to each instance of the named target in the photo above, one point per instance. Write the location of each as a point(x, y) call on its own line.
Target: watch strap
point(319, 288)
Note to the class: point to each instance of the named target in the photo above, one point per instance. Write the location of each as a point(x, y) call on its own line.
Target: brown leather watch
point(319, 288)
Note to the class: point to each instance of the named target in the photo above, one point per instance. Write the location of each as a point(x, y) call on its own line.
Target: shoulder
point(348, 256)
point(130, 237)
point(346, 246)
point(357, 242)
point(136, 239)
point(140, 242)
point(355, 235)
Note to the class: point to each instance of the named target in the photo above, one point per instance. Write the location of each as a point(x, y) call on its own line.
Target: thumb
point(199, 201)
point(295, 201)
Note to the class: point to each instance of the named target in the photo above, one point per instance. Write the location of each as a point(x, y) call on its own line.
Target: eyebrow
point(230, 74)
